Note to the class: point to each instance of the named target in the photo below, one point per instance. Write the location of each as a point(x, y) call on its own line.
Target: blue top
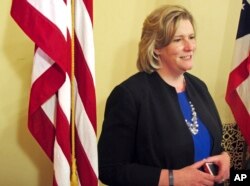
point(202, 140)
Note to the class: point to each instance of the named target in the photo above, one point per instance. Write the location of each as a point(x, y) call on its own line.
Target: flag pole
point(74, 177)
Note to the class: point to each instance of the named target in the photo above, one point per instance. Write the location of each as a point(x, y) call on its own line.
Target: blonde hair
point(158, 31)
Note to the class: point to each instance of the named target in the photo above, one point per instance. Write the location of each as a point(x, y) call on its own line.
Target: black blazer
point(144, 130)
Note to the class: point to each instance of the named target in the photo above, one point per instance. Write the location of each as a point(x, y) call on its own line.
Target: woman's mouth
point(186, 57)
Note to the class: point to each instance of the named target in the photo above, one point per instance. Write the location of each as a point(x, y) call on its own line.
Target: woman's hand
point(190, 175)
point(223, 163)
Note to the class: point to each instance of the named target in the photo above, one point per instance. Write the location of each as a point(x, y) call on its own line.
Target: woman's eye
point(192, 37)
point(176, 40)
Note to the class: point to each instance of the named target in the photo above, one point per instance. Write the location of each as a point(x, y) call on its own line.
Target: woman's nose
point(189, 45)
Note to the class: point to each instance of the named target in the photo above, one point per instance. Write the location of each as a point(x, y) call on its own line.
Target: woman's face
point(177, 56)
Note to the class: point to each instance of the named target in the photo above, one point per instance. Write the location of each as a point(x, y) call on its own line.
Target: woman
point(161, 125)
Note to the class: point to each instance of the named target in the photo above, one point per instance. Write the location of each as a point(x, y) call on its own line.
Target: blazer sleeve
point(118, 164)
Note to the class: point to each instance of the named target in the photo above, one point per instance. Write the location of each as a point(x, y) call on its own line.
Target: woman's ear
point(157, 52)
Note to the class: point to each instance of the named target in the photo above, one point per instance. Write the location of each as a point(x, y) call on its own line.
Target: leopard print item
point(234, 143)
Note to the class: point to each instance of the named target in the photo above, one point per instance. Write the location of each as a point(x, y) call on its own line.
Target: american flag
point(238, 88)
point(48, 23)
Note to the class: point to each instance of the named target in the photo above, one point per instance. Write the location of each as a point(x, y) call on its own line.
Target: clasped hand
point(191, 175)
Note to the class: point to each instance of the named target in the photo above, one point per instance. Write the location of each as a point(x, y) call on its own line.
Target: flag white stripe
point(56, 11)
point(243, 91)
point(242, 48)
point(84, 32)
point(61, 166)
point(49, 108)
point(64, 97)
point(42, 62)
point(86, 133)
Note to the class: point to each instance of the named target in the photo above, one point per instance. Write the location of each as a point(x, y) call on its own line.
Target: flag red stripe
point(57, 50)
point(85, 82)
point(54, 181)
point(50, 107)
point(56, 77)
point(83, 165)
point(43, 131)
point(63, 133)
point(239, 110)
point(89, 7)
point(238, 75)
point(238, 81)
point(240, 113)
point(39, 124)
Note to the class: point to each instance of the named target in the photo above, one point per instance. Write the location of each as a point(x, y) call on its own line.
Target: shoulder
point(138, 79)
point(195, 81)
point(127, 95)
point(135, 87)
point(138, 82)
